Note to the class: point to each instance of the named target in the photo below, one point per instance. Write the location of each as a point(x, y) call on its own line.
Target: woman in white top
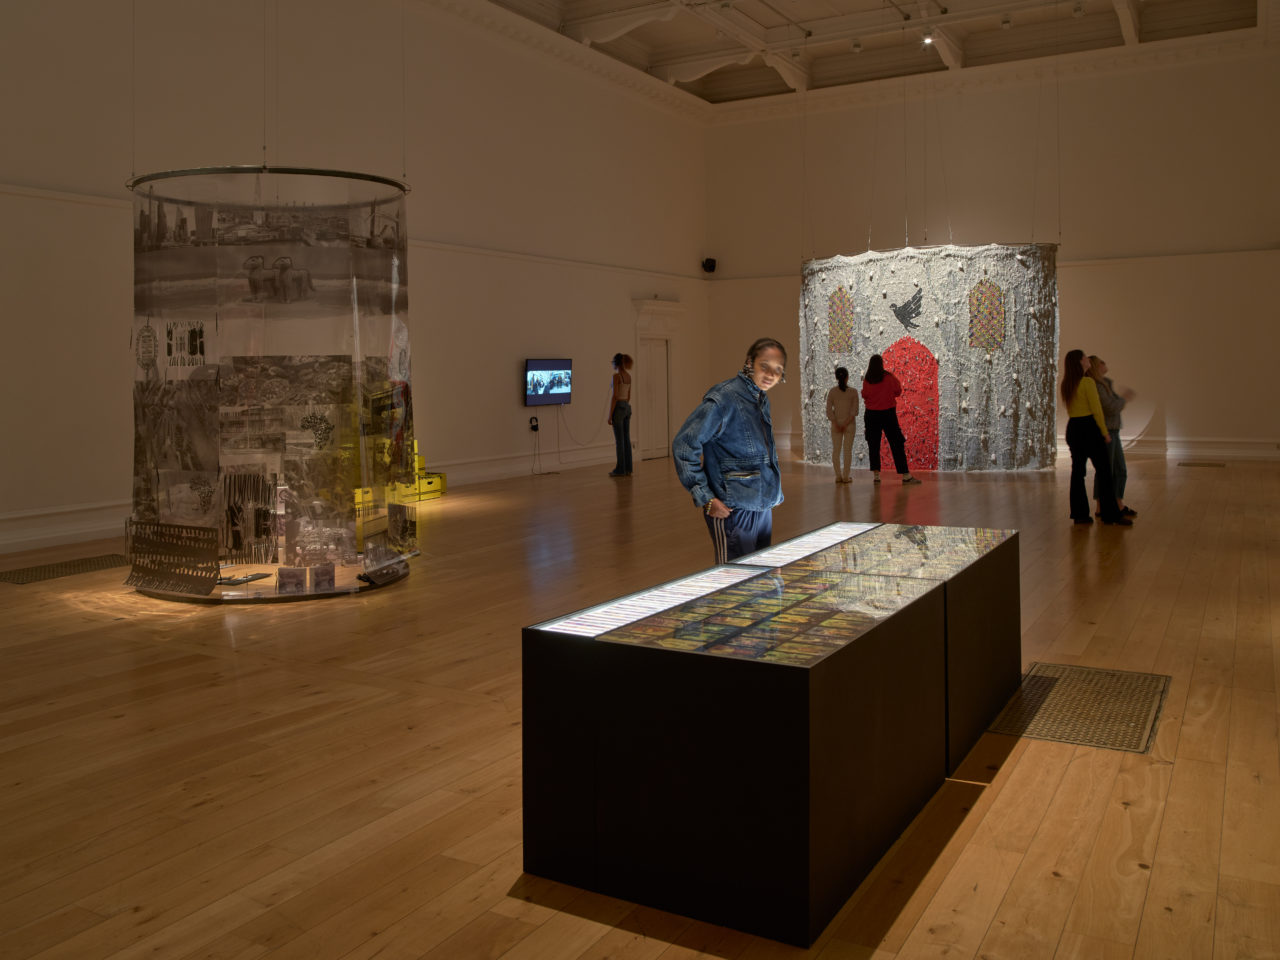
point(620, 414)
point(842, 411)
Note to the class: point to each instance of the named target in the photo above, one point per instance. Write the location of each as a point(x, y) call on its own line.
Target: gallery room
point(422, 758)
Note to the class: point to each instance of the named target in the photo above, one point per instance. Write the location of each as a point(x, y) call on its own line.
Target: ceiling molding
point(949, 49)
point(793, 74)
point(1236, 45)
point(659, 85)
point(1130, 21)
point(610, 26)
point(683, 71)
point(529, 34)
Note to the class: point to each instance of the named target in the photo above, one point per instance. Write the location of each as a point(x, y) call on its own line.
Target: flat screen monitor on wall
point(547, 381)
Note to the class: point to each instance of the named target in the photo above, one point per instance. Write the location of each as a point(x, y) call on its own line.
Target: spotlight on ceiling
point(928, 37)
point(1006, 22)
point(856, 46)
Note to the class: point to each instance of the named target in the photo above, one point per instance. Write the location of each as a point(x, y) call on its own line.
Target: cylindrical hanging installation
point(971, 333)
point(273, 439)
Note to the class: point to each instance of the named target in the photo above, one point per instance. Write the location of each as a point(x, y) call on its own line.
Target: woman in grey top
point(1113, 401)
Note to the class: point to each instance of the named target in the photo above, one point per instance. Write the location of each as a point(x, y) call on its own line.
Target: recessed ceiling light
point(1006, 22)
point(856, 46)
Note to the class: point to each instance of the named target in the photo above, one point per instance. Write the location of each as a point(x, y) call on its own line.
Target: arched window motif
point(840, 321)
point(986, 315)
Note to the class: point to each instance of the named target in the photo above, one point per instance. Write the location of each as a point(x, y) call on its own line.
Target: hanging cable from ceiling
point(871, 180)
point(924, 150)
point(1035, 162)
point(133, 89)
point(906, 191)
point(404, 84)
point(264, 82)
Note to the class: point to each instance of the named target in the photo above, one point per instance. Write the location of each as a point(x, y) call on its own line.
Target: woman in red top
point(880, 390)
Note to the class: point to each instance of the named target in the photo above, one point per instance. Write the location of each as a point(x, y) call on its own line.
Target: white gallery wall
point(553, 196)
point(545, 202)
point(1154, 171)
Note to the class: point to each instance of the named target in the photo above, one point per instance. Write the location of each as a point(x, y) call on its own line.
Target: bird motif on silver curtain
point(909, 310)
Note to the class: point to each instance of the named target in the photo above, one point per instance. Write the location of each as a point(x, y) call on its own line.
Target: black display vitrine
point(741, 746)
point(979, 572)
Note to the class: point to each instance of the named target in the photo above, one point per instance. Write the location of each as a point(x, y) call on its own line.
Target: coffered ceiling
point(726, 50)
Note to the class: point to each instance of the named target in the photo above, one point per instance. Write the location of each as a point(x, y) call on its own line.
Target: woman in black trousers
point(1087, 439)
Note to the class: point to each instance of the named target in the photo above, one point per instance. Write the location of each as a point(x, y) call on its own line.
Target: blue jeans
point(622, 436)
point(1119, 472)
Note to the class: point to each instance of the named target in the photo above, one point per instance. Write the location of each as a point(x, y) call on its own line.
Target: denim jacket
point(725, 449)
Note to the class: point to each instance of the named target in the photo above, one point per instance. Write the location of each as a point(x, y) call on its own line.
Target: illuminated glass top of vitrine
point(805, 544)
point(794, 603)
point(604, 617)
point(937, 553)
point(782, 615)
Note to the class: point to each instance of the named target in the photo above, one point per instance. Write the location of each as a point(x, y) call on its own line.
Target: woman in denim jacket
point(726, 458)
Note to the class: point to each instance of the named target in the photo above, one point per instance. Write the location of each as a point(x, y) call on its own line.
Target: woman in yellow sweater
point(1087, 439)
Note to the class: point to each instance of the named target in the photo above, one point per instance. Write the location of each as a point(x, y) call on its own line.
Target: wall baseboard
point(1192, 448)
point(1205, 448)
point(54, 526)
point(484, 469)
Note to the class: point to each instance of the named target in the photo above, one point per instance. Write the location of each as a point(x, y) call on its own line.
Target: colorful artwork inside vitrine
point(788, 615)
point(598, 620)
point(907, 551)
point(834, 584)
point(986, 317)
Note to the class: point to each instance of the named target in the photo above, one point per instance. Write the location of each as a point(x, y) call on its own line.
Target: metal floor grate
point(1112, 709)
point(51, 571)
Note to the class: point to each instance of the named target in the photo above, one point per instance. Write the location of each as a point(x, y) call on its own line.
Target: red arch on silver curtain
point(917, 370)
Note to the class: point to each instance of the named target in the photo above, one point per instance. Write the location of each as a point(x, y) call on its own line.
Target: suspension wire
point(264, 82)
point(1057, 121)
point(133, 89)
point(924, 179)
point(404, 111)
point(871, 180)
point(1057, 84)
point(1035, 162)
point(806, 221)
point(946, 186)
point(906, 191)
point(275, 93)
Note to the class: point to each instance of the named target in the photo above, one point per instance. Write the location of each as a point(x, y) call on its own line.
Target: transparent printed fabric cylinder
point(272, 408)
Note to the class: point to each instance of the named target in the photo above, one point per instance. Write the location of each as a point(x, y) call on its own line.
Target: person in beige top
point(842, 411)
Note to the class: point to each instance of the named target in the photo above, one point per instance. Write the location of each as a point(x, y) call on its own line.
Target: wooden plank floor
point(341, 778)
